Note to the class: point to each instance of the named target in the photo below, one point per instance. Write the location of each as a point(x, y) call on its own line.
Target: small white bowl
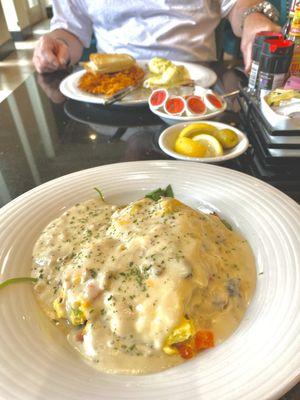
point(168, 137)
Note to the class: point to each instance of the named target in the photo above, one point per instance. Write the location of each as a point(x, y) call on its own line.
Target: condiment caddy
point(278, 140)
point(271, 102)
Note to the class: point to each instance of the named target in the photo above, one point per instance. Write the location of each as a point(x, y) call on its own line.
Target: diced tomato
point(185, 350)
point(204, 340)
point(79, 336)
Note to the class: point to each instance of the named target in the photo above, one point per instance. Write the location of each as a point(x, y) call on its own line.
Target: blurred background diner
point(171, 29)
point(24, 22)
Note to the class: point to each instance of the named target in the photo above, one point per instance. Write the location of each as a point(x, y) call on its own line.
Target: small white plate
point(168, 137)
point(69, 86)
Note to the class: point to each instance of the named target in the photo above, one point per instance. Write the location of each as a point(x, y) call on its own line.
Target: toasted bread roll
point(109, 63)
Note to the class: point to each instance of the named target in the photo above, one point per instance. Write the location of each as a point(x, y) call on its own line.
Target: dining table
point(44, 135)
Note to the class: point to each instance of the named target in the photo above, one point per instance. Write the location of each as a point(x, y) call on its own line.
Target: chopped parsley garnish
point(93, 273)
point(137, 275)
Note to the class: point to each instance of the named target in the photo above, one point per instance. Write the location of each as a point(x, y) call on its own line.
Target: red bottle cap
point(278, 46)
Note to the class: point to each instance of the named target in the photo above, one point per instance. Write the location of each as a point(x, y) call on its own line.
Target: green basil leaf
point(158, 193)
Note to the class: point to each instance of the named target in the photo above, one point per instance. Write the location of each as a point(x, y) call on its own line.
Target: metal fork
point(119, 95)
point(124, 92)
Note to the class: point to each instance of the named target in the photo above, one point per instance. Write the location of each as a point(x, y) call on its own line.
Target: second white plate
point(69, 86)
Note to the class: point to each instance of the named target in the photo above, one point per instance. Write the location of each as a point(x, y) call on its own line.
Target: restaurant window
point(10, 14)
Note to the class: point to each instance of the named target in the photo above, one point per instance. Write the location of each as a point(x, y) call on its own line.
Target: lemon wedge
point(227, 137)
point(198, 128)
point(189, 147)
point(212, 145)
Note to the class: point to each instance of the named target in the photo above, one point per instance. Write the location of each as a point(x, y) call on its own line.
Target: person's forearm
point(74, 44)
point(236, 14)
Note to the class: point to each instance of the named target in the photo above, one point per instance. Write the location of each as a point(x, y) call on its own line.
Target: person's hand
point(50, 55)
point(253, 24)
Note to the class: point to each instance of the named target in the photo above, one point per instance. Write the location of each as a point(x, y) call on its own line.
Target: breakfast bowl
point(169, 136)
point(258, 361)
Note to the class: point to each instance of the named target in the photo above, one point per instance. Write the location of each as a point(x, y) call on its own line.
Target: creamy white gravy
point(121, 279)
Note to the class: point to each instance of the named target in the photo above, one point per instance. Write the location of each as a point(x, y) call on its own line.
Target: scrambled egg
point(158, 65)
point(181, 333)
point(164, 73)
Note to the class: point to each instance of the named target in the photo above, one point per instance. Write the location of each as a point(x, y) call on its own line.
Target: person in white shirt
point(175, 29)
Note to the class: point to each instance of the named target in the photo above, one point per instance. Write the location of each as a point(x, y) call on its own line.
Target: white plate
point(168, 137)
point(69, 86)
point(259, 361)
